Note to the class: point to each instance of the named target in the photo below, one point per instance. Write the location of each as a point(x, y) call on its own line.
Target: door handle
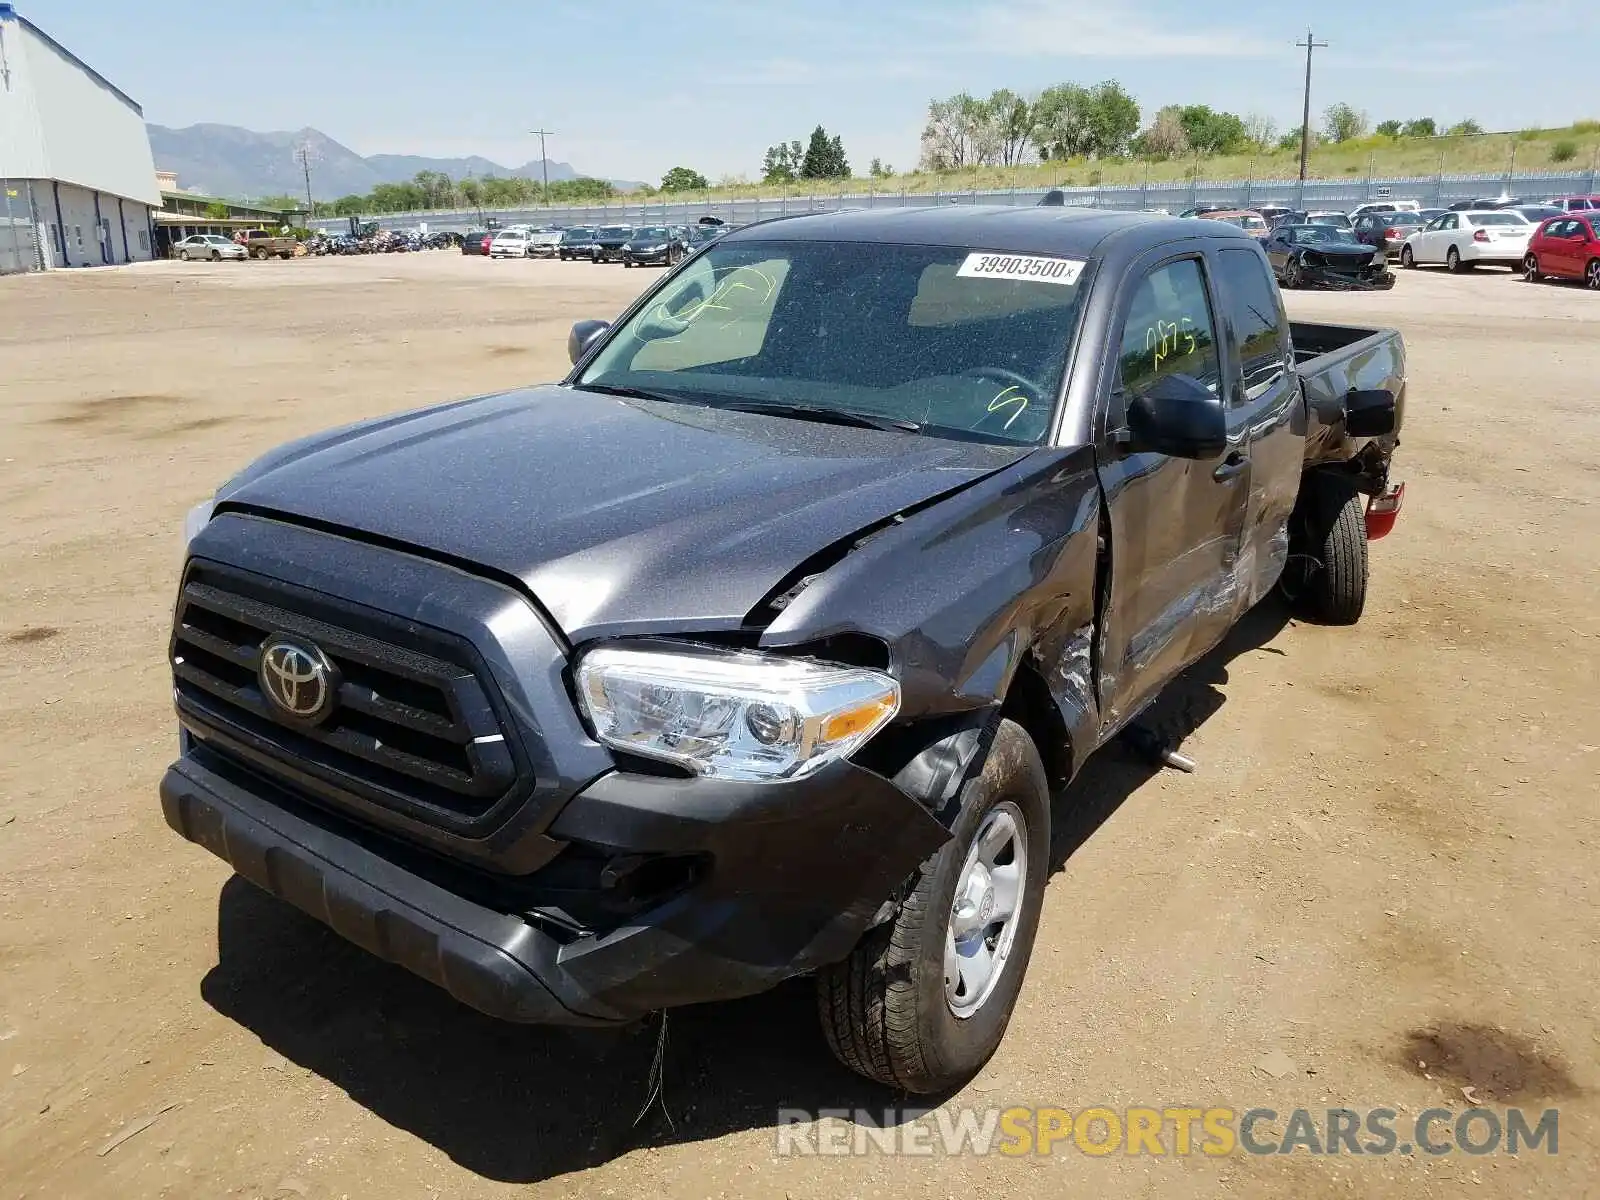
point(1231, 467)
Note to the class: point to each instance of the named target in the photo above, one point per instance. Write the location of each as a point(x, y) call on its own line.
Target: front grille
point(412, 727)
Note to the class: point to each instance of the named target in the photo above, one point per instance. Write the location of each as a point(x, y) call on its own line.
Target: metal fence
point(1430, 191)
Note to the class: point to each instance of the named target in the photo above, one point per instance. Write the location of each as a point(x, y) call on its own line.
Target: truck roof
point(1020, 230)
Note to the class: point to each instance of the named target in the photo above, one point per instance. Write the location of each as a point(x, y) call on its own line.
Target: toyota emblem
point(297, 679)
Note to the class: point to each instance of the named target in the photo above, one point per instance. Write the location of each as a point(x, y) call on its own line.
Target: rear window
point(1258, 322)
point(1498, 218)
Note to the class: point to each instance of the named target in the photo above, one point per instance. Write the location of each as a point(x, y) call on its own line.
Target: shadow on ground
point(521, 1104)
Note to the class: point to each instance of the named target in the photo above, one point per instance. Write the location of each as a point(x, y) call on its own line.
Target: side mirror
point(583, 336)
point(1369, 413)
point(1178, 415)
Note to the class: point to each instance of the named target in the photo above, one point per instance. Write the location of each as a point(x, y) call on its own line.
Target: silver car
point(209, 245)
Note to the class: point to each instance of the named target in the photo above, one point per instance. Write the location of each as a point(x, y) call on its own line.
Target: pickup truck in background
point(757, 647)
point(261, 244)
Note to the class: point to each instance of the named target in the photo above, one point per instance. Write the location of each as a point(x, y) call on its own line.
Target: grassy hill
point(1574, 148)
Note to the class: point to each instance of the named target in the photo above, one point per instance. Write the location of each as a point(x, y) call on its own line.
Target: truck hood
point(618, 515)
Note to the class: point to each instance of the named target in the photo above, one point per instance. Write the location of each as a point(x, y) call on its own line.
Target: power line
point(303, 155)
point(544, 159)
point(1309, 44)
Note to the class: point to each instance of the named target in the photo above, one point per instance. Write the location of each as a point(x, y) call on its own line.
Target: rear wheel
point(259, 252)
point(1328, 568)
point(1408, 260)
point(923, 1001)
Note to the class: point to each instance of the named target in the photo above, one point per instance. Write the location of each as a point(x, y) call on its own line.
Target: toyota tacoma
point(757, 647)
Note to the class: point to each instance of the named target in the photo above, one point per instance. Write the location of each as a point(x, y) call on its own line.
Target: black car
point(1325, 256)
point(757, 647)
point(654, 244)
point(576, 242)
point(1386, 230)
point(476, 242)
point(608, 243)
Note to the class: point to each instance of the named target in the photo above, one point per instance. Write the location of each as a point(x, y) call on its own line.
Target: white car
point(1462, 240)
point(509, 243)
point(208, 245)
point(1383, 206)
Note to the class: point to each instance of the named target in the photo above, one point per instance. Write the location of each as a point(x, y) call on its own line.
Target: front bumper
point(645, 257)
point(787, 878)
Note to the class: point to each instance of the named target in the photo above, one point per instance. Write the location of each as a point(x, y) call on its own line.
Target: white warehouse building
point(77, 180)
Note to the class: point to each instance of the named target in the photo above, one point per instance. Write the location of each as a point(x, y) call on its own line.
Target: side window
point(1257, 318)
point(1169, 329)
point(1451, 222)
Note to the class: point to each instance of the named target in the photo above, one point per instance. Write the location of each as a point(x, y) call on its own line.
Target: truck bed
point(1333, 360)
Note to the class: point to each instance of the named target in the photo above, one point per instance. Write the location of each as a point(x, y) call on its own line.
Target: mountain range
point(228, 161)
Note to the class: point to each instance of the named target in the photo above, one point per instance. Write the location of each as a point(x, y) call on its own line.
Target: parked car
point(476, 242)
point(1574, 203)
point(1536, 213)
point(1325, 256)
point(209, 245)
point(575, 243)
point(1385, 230)
point(1485, 204)
point(258, 243)
point(608, 243)
point(1316, 217)
point(1207, 207)
point(1428, 214)
point(1246, 219)
point(510, 243)
point(545, 243)
point(758, 646)
point(1270, 213)
point(1463, 240)
point(1383, 206)
point(1565, 247)
point(654, 244)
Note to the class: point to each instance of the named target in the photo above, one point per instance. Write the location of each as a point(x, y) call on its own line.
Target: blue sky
point(633, 88)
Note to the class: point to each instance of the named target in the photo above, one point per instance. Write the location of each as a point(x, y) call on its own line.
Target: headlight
point(196, 520)
point(732, 714)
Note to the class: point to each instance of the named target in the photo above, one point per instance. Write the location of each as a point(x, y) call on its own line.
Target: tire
point(1452, 260)
point(216, 256)
point(1408, 260)
point(1291, 274)
point(887, 1010)
point(1328, 568)
point(1530, 268)
point(259, 252)
point(183, 254)
point(1591, 274)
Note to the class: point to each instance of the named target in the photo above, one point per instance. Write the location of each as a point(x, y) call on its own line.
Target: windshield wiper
point(831, 416)
point(633, 393)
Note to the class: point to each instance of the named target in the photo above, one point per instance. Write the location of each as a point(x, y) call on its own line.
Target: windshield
point(1401, 218)
point(1322, 235)
point(1498, 218)
point(1336, 219)
point(964, 344)
point(513, 233)
point(654, 233)
point(615, 231)
point(578, 235)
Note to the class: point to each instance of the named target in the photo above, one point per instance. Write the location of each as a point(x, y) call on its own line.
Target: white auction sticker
point(1030, 268)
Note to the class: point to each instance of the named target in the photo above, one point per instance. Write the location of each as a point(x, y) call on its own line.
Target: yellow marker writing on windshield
point(1011, 395)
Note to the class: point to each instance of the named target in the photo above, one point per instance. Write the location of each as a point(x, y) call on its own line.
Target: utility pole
point(544, 159)
point(1310, 44)
point(302, 155)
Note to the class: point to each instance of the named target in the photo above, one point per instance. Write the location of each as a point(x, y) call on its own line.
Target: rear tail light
point(1394, 231)
point(1384, 510)
point(1480, 235)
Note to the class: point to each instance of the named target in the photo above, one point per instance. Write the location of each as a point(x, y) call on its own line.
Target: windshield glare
point(886, 330)
point(1324, 235)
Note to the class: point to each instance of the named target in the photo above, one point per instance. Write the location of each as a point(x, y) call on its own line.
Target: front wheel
point(183, 254)
point(1452, 260)
point(1291, 273)
point(1591, 274)
point(924, 1000)
point(1408, 260)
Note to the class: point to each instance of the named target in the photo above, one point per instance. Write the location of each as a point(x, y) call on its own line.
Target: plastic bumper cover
point(797, 873)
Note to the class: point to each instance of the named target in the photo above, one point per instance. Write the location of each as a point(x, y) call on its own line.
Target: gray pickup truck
point(757, 646)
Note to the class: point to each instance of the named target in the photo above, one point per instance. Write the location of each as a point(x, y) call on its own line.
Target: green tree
point(1291, 140)
point(683, 179)
point(782, 163)
point(1210, 131)
point(1420, 127)
point(217, 211)
point(824, 157)
point(1113, 119)
point(471, 193)
point(350, 206)
point(1166, 137)
point(955, 129)
point(1063, 120)
point(1466, 128)
point(1260, 131)
point(838, 164)
point(1389, 128)
point(1342, 123)
point(582, 188)
point(1563, 151)
point(879, 169)
point(1010, 119)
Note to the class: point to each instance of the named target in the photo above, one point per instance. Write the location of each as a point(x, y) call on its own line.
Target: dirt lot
point(1387, 858)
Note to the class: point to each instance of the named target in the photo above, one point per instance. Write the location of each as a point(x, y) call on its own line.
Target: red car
point(1565, 248)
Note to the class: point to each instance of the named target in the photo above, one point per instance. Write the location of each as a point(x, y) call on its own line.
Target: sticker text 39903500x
point(1030, 268)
